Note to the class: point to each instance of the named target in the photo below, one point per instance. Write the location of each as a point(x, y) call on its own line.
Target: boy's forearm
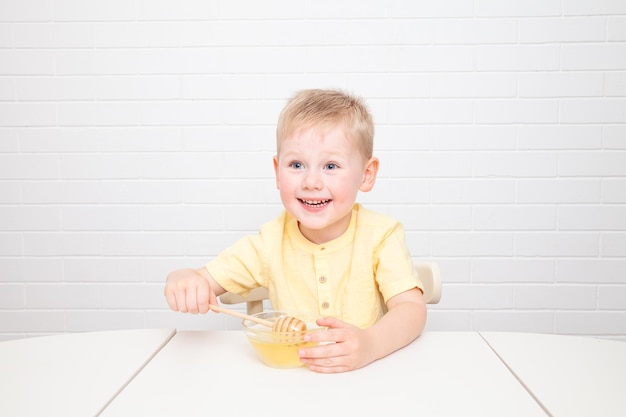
point(396, 329)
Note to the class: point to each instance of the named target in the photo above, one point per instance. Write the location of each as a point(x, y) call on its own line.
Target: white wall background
point(136, 137)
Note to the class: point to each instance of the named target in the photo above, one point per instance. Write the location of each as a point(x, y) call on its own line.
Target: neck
point(331, 232)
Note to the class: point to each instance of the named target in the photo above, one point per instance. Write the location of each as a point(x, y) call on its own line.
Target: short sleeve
point(394, 266)
point(238, 268)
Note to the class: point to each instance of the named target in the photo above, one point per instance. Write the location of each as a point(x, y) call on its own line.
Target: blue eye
point(296, 165)
point(331, 166)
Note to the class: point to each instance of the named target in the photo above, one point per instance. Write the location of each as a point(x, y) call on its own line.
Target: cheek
point(284, 183)
point(281, 178)
point(347, 188)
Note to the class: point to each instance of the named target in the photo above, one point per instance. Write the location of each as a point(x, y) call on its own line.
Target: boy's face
point(319, 173)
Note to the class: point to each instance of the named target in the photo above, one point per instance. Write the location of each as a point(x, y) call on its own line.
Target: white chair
point(430, 275)
point(428, 272)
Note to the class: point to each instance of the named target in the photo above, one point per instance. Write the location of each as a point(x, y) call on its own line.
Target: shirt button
point(325, 305)
point(322, 279)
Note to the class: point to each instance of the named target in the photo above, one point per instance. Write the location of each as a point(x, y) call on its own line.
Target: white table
point(162, 373)
point(73, 374)
point(569, 375)
point(218, 373)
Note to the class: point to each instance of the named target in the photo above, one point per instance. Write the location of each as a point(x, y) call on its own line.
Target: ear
point(369, 174)
point(275, 160)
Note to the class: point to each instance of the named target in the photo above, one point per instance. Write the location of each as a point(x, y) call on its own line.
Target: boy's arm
point(191, 290)
point(402, 324)
point(355, 348)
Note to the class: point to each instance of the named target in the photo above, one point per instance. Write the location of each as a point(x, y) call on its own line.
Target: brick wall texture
point(136, 137)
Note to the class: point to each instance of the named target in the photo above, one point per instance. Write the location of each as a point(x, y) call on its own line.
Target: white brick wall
point(136, 137)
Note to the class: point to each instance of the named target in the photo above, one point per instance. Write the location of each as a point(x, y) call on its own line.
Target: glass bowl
point(279, 349)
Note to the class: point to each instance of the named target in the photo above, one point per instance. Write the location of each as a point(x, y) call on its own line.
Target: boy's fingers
point(203, 298)
point(170, 297)
point(192, 301)
point(181, 305)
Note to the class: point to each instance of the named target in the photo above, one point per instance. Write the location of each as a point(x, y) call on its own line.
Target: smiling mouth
point(314, 203)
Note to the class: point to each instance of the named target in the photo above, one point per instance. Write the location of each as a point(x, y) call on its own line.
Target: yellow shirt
point(350, 277)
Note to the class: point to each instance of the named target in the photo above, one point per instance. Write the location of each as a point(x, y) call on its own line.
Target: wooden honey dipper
point(280, 325)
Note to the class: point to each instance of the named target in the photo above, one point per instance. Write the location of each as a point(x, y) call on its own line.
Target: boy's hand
point(350, 350)
point(345, 347)
point(189, 291)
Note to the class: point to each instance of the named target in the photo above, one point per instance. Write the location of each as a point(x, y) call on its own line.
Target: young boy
point(325, 253)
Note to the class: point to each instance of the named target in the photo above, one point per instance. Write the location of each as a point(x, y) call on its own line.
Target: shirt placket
point(324, 290)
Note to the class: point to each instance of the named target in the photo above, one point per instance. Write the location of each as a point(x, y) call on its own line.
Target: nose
point(312, 181)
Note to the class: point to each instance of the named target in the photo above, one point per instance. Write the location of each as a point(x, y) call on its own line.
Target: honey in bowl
point(278, 349)
point(280, 353)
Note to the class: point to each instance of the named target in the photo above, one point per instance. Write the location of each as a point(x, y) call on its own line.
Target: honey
point(279, 349)
point(280, 354)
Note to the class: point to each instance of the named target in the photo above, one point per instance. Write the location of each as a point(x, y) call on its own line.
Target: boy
point(324, 253)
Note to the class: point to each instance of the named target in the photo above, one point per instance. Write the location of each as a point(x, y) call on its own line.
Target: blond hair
point(327, 108)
